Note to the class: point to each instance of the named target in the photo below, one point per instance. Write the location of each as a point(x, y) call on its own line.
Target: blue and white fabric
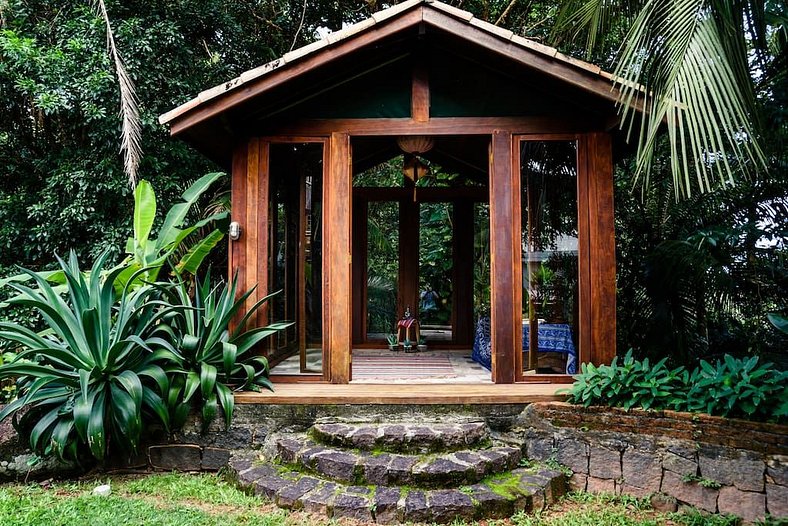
point(553, 337)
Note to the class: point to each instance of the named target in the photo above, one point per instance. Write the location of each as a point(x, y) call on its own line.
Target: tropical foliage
point(736, 388)
point(118, 350)
point(87, 380)
point(701, 62)
point(209, 360)
point(147, 256)
point(698, 278)
point(62, 180)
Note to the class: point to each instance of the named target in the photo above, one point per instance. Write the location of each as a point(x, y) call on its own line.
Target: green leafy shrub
point(147, 255)
point(632, 383)
point(87, 380)
point(7, 386)
point(739, 388)
point(208, 360)
point(731, 387)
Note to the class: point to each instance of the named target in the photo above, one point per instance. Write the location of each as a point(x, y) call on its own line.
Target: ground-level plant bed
point(182, 499)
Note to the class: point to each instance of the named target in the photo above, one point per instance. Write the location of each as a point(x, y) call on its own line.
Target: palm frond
point(591, 20)
point(129, 111)
point(675, 53)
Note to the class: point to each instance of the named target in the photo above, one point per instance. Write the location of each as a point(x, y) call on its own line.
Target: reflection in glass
point(548, 178)
point(382, 268)
point(481, 261)
point(296, 179)
point(436, 233)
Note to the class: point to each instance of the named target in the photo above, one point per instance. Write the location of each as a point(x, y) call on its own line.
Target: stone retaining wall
point(715, 464)
point(191, 449)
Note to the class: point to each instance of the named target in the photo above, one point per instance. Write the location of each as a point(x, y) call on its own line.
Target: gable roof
point(212, 102)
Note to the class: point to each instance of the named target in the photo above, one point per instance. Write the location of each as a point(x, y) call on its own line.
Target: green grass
point(157, 500)
point(585, 509)
point(208, 500)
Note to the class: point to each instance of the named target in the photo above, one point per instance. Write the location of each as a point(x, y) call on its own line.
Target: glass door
point(296, 254)
point(549, 251)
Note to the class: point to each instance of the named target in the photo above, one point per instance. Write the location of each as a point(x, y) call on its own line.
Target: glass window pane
point(436, 265)
point(548, 178)
point(382, 268)
point(296, 179)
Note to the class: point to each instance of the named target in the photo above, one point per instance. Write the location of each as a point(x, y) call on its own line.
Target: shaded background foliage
point(696, 277)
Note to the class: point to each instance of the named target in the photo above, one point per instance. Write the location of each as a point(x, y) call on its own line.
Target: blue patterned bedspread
point(553, 337)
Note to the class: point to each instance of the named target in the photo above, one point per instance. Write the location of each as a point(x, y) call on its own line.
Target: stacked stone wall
point(715, 464)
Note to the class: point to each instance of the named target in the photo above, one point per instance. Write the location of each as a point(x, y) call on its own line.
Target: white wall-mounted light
point(235, 230)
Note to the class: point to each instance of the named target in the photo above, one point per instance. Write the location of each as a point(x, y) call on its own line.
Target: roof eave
point(253, 82)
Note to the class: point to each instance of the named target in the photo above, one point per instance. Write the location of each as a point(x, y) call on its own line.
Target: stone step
point(402, 438)
point(495, 498)
point(437, 470)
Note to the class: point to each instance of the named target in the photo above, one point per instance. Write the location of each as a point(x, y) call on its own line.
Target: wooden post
point(462, 272)
point(408, 276)
point(602, 248)
point(242, 259)
point(420, 93)
point(263, 208)
point(248, 257)
point(337, 215)
point(583, 247)
point(505, 263)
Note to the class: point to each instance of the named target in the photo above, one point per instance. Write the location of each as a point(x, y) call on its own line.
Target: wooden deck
point(323, 393)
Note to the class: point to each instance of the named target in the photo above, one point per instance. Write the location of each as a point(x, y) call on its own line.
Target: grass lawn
point(192, 500)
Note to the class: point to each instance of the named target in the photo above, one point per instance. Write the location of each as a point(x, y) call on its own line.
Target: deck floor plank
point(324, 393)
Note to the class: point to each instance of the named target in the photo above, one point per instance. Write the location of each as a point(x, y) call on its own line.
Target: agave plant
point(210, 360)
point(88, 379)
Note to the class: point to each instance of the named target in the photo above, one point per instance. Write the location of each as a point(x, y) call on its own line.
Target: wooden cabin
point(421, 112)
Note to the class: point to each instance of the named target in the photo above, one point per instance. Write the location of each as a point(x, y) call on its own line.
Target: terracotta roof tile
point(351, 30)
point(385, 14)
point(535, 46)
point(451, 10)
point(305, 50)
point(596, 70)
point(491, 28)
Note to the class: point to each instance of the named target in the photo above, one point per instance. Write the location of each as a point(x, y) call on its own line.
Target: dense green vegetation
point(697, 277)
point(731, 387)
point(181, 500)
point(122, 349)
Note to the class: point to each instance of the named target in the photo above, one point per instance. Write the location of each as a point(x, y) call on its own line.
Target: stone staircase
point(390, 473)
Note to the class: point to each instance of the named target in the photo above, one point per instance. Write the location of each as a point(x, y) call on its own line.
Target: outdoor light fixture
point(412, 166)
point(415, 144)
point(235, 230)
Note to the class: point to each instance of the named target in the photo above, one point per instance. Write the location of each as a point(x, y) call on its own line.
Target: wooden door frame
point(596, 248)
point(264, 250)
point(462, 253)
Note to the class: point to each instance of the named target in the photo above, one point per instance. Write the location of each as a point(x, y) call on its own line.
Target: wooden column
point(248, 257)
point(602, 248)
point(505, 263)
point(408, 276)
point(583, 248)
point(337, 217)
point(462, 272)
point(420, 93)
